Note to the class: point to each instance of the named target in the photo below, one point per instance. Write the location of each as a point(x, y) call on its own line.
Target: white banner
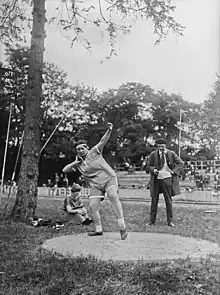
point(62, 192)
point(49, 192)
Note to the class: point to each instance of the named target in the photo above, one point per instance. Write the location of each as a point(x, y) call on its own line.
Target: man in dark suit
point(164, 166)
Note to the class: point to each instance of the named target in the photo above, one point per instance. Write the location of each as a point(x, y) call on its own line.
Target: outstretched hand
point(110, 126)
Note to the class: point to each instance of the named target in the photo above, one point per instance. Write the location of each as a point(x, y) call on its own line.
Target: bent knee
point(113, 197)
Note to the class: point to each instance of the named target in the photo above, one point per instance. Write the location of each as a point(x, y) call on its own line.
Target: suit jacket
point(173, 162)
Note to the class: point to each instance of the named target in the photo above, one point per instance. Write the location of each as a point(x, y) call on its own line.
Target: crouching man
point(74, 205)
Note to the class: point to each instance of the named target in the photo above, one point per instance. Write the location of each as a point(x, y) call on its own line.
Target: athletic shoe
point(95, 233)
point(124, 234)
point(171, 224)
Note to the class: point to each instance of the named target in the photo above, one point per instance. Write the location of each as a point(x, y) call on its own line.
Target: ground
point(28, 268)
point(138, 246)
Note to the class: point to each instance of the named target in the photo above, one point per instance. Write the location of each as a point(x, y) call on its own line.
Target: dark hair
point(161, 141)
point(75, 188)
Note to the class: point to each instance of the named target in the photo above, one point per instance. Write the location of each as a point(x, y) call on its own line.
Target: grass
point(25, 268)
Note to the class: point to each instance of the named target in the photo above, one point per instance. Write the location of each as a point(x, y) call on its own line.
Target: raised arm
point(105, 138)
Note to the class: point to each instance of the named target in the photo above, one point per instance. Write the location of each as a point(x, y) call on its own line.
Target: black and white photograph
point(109, 147)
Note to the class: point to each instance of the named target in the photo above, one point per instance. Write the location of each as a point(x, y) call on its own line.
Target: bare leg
point(116, 203)
point(94, 204)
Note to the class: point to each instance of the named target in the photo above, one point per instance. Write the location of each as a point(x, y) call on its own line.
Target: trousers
point(162, 186)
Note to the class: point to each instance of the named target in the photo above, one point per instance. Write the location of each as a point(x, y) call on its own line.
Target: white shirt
point(164, 172)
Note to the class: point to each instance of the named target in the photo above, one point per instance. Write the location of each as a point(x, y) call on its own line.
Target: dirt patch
point(138, 246)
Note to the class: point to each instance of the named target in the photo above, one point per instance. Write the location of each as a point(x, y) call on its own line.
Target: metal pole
point(18, 154)
point(180, 129)
point(55, 129)
point(13, 174)
point(5, 153)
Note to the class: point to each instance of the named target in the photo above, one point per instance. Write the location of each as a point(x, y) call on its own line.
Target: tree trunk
point(26, 198)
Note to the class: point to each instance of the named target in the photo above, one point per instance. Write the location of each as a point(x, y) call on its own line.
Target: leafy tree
point(13, 89)
point(124, 110)
point(140, 115)
point(58, 99)
point(209, 124)
point(77, 13)
point(14, 19)
point(112, 17)
point(8, 94)
point(190, 139)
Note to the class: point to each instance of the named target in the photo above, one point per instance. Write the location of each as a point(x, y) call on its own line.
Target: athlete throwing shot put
point(102, 179)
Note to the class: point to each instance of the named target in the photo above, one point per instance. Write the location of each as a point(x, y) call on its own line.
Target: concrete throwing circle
point(138, 246)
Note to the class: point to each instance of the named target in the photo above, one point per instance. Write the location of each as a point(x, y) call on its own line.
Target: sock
point(98, 228)
point(121, 223)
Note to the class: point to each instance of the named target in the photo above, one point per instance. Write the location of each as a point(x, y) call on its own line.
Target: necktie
point(162, 160)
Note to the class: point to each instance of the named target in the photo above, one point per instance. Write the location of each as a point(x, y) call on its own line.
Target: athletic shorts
point(102, 189)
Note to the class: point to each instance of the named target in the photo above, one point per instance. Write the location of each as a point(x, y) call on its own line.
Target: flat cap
point(75, 188)
point(161, 141)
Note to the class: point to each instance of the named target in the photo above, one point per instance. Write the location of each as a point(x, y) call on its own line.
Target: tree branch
point(101, 13)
